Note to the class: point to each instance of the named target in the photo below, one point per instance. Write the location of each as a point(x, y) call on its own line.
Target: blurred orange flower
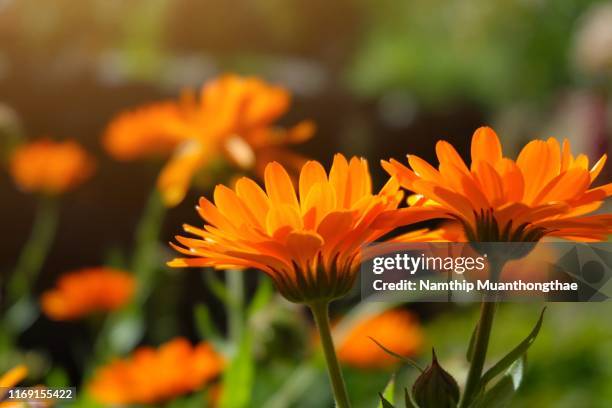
point(86, 291)
point(49, 167)
point(233, 118)
point(11, 379)
point(153, 376)
point(310, 246)
point(545, 192)
point(398, 330)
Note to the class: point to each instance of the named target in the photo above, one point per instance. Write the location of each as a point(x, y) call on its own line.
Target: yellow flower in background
point(232, 119)
point(49, 167)
point(398, 330)
point(307, 241)
point(546, 192)
point(11, 379)
point(85, 291)
point(156, 375)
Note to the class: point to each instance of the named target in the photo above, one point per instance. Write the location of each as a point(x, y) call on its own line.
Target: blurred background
point(379, 78)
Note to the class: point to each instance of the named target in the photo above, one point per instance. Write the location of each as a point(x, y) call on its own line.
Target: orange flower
point(10, 380)
point(153, 376)
point(233, 118)
point(308, 242)
point(545, 192)
point(398, 330)
point(49, 167)
point(86, 291)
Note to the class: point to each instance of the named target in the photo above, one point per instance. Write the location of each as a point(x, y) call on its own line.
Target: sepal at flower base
point(435, 387)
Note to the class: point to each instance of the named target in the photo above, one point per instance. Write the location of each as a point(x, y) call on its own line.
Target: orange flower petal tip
point(91, 290)
point(48, 167)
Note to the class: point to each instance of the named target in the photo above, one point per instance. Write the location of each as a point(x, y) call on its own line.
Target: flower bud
point(435, 388)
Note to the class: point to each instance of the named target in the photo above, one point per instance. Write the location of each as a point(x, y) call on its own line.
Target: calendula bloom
point(308, 242)
point(87, 291)
point(49, 167)
point(547, 191)
point(156, 375)
point(10, 379)
point(232, 119)
point(396, 329)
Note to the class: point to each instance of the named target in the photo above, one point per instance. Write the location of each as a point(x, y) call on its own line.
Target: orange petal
point(486, 146)
point(597, 167)
point(490, 182)
point(322, 197)
point(403, 174)
point(535, 164)
point(283, 215)
point(311, 174)
point(233, 207)
point(279, 186)
point(423, 169)
point(512, 180)
point(175, 178)
point(359, 182)
point(565, 186)
point(566, 156)
point(256, 198)
point(13, 376)
point(447, 154)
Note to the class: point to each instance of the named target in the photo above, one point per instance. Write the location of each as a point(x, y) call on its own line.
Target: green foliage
point(493, 53)
point(516, 354)
point(238, 377)
point(501, 393)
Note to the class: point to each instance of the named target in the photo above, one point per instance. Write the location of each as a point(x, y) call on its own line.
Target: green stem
point(320, 311)
point(36, 249)
point(481, 344)
point(145, 259)
point(481, 339)
point(235, 304)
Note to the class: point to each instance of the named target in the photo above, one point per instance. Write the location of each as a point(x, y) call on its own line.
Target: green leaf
point(500, 395)
point(470, 350)
point(384, 403)
point(387, 394)
point(239, 376)
point(398, 356)
point(206, 327)
point(514, 355)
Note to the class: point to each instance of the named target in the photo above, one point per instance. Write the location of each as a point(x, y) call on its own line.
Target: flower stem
point(483, 334)
point(320, 311)
point(481, 344)
point(146, 259)
point(37, 247)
